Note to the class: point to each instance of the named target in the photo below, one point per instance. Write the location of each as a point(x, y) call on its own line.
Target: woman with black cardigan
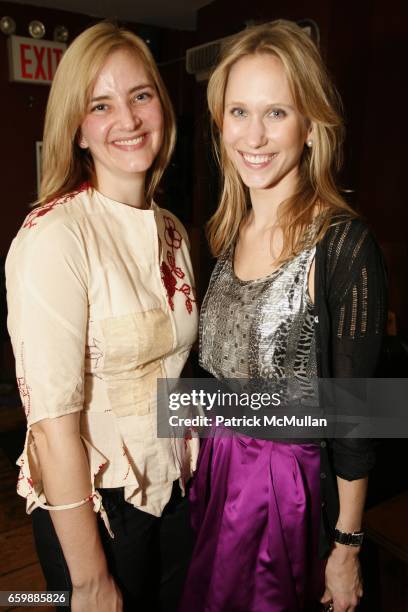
point(298, 292)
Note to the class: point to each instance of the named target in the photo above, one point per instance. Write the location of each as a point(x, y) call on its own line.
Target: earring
point(309, 143)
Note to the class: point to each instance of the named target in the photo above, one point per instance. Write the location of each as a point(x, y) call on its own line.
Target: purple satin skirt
point(255, 507)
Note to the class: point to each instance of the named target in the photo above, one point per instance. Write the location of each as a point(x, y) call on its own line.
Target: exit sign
point(33, 61)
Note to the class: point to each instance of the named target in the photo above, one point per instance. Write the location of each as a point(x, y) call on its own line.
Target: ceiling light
point(61, 34)
point(7, 25)
point(36, 29)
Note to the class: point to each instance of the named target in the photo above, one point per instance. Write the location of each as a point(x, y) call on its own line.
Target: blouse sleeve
point(48, 309)
point(358, 311)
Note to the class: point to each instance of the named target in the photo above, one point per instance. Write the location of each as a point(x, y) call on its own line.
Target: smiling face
point(263, 133)
point(123, 127)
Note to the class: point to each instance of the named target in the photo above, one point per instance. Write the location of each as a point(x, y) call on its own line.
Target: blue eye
point(143, 96)
point(278, 113)
point(238, 112)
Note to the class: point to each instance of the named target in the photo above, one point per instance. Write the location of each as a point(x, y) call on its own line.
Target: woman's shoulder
point(173, 228)
point(50, 221)
point(346, 238)
point(52, 227)
point(55, 212)
point(348, 253)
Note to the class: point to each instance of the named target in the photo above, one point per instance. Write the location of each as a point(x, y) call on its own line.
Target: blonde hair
point(64, 164)
point(317, 100)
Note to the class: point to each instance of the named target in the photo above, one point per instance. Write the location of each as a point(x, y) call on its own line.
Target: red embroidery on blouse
point(187, 436)
point(93, 352)
point(170, 272)
point(20, 477)
point(43, 210)
point(24, 390)
point(100, 467)
point(128, 468)
point(23, 387)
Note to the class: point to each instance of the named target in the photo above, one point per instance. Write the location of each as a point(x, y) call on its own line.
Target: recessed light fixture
point(61, 34)
point(7, 25)
point(36, 29)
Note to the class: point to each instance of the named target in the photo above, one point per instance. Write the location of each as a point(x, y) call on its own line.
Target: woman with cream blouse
point(101, 305)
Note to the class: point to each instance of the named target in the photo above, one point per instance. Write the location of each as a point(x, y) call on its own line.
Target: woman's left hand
point(344, 586)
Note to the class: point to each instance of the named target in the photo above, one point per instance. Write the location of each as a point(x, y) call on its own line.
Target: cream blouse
point(101, 304)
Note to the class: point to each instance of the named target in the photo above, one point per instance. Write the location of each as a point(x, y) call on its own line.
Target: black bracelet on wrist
point(350, 539)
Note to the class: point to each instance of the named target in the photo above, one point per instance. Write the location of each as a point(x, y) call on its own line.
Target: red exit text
point(34, 61)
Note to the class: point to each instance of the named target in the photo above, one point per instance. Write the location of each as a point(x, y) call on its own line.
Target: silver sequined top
point(260, 328)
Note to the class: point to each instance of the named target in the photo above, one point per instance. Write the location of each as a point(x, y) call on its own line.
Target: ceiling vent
point(202, 59)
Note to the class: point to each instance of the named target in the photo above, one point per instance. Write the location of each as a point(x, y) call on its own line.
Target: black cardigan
point(351, 309)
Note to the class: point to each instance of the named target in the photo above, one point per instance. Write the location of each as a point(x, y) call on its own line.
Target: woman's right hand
point(100, 596)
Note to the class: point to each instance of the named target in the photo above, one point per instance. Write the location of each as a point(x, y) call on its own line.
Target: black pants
point(148, 556)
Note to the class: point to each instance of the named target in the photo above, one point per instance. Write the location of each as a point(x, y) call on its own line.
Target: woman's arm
point(357, 297)
point(352, 495)
point(47, 288)
point(343, 573)
point(61, 451)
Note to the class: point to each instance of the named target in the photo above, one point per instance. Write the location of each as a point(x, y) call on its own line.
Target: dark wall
point(177, 186)
point(364, 46)
point(22, 108)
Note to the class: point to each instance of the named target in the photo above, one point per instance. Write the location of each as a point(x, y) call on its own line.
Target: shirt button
point(323, 444)
point(323, 504)
point(316, 319)
point(322, 475)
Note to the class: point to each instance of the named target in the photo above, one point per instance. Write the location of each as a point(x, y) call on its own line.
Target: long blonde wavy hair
point(64, 164)
point(317, 100)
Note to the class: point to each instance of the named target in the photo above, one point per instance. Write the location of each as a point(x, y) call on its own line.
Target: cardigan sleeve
point(357, 303)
